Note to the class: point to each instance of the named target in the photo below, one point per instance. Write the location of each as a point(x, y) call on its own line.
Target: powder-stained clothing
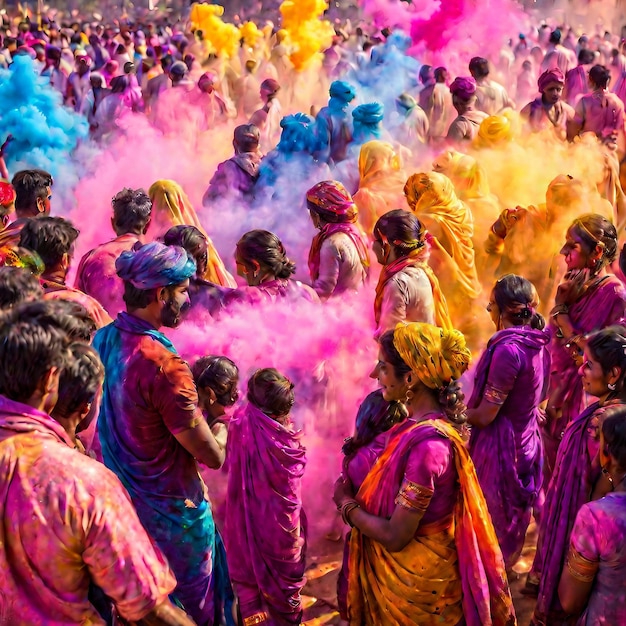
point(465, 127)
point(96, 275)
point(491, 97)
point(599, 545)
point(67, 522)
point(10, 236)
point(407, 297)
point(59, 291)
point(149, 397)
point(236, 177)
point(540, 118)
point(340, 267)
point(600, 112)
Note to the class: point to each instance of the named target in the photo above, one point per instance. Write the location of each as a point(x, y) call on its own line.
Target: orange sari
point(451, 569)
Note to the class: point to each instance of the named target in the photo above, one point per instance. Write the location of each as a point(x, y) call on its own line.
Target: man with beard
point(151, 430)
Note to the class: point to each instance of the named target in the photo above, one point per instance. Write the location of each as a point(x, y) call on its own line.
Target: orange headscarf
point(171, 206)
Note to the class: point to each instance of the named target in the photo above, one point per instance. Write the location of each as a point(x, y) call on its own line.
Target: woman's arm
point(393, 534)
point(485, 413)
point(504, 369)
point(573, 592)
point(582, 562)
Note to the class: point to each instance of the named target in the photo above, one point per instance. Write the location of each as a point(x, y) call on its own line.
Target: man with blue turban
point(150, 426)
point(333, 128)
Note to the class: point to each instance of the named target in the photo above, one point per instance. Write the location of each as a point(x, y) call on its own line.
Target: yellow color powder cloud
point(308, 34)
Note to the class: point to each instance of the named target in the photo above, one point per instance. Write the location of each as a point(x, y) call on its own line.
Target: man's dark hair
point(30, 185)
point(80, 381)
point(600, 76)
point(247, 137)
point(17, 285)
point(29, 349)
point(137, 298)
point(49, 237)
point(166, 61)
point(131, 211)
point(71, 316)
point(479, 67)
point(586, 56)
point(555, 36)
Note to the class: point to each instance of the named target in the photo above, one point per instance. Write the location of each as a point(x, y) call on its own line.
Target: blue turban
point(297, 134)
point(342, 91)
point(368, 114)
point(155, 265)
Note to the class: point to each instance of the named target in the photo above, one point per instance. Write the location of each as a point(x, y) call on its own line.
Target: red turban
point(7, 193)
point(333, 201)
point(550, 76)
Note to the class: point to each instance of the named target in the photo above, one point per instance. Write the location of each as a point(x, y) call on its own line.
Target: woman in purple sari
point(510, 383)
point(265, 528)
point(577, 478)
point(589, 299)
point(593, 581)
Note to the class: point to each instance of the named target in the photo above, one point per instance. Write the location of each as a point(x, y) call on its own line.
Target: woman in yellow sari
point(472, 187)
point(171, 207)
point(432, 199)
point(381, 180)
point(423, 549)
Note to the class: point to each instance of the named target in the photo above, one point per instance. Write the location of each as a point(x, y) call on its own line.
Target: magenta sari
point(265, 530)
point(598, 308)
point(577, 470)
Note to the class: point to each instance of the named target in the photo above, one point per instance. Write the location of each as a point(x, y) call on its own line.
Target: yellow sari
point(171, 207)
point(432, 198)
point(451, 569)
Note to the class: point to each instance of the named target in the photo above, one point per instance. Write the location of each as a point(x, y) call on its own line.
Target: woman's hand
point(572, 288)
point(343, 491)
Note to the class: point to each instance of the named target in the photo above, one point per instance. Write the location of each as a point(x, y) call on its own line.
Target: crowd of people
point(491, 304)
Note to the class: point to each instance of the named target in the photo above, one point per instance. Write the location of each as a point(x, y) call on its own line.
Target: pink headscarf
point(550, 76)
point(463, 86)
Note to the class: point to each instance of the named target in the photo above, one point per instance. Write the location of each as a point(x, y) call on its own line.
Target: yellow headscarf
point(497, 130)
point(377, 160)
point(435, 355)
point(170, 205)
point(432, 198)
point(381, 180)
point(468, 177)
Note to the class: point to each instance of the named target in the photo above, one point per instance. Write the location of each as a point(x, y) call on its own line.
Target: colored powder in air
point(45, 134)
point(307, 33)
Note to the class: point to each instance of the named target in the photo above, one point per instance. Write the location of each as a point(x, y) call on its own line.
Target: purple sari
point(570, 487)
point(507, 453)
point(598, 308)
point(265, 530)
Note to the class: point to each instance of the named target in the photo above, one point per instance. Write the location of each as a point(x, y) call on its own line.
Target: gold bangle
point(346, 509)
point(257, 618)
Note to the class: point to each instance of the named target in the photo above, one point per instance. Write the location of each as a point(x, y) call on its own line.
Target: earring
point(211, 401)
point(612, 386)
point(409, 396)
point(254, 274)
